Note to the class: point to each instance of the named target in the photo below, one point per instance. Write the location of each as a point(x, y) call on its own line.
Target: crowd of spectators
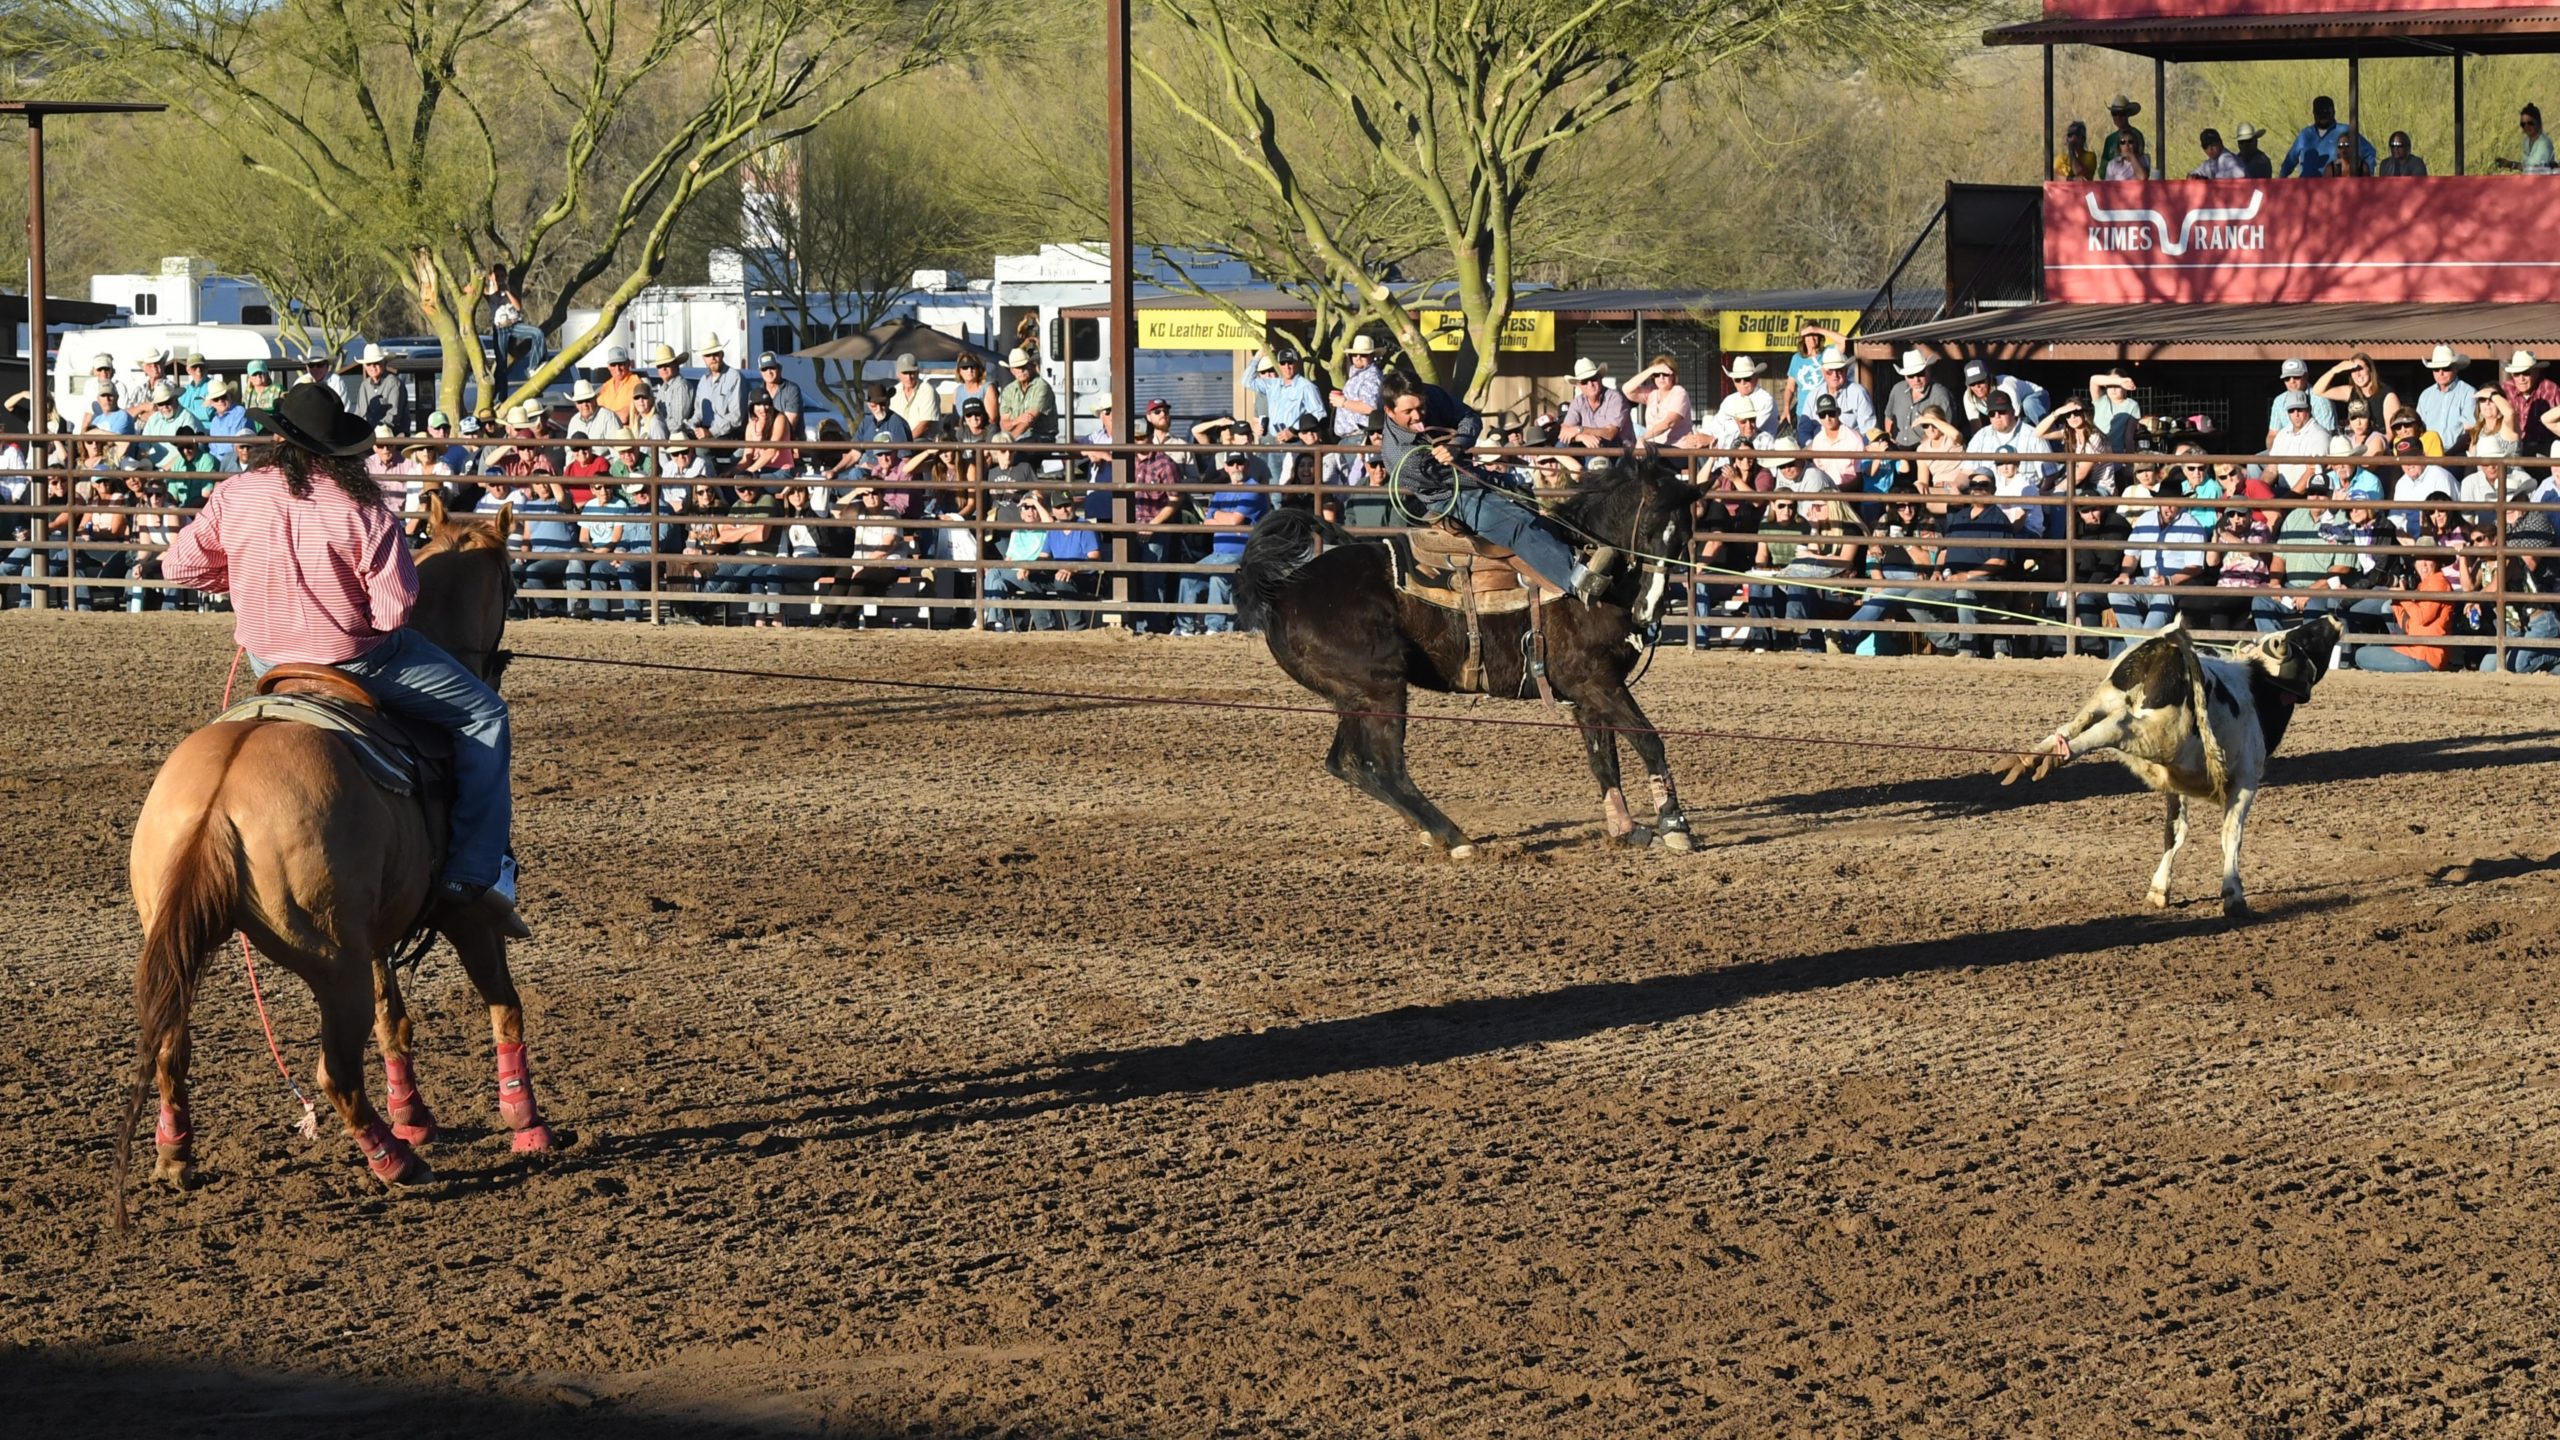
point(1848, 511)
point(2326, 147)
point(1923, 515)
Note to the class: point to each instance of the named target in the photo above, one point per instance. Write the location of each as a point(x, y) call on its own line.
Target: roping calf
point(2195, 728)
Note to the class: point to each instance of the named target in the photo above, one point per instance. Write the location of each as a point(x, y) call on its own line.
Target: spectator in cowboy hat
point(720, 403)
point(1026, 409)
point(320, 367)
point(1838, 384)
point(191, 393)
point(2120, 112)
point(675, 392)
point(1597, 414)
point(1917, 392)
point(227, 417)
point(1751, 408)
point(614, 393)
point(373, 393)
point(154, 366)
point(2530, 394)
point(2255, 164)
point(2449, 406)
point(592, 421)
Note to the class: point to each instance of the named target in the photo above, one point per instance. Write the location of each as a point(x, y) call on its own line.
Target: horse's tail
point(197, 898)
point(1279, 547)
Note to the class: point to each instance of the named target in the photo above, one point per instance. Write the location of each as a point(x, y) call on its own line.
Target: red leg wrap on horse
point(411, 1120)
point(172, 1132)
point(385, 1154)
point(515, 1089)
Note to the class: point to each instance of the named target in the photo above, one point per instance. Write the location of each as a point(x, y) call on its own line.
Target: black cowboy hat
point(312, 417)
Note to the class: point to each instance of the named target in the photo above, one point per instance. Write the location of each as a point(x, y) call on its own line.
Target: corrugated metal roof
point(1564, 304)
point(2521, 31)
point(2227, 332)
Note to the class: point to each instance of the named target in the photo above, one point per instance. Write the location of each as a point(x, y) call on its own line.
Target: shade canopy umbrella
point(885, 342)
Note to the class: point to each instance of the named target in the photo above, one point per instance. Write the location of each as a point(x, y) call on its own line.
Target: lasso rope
point(309, 1125)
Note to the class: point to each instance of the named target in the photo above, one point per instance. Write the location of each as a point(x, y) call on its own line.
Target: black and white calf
point(2195, 728)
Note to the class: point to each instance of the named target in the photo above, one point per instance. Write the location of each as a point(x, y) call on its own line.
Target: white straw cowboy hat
point(712, 346)
point(2124, 105)
point(583, 390)
point(2247, 131)
point(2445, 357)
point(1363, 345)
point(1913, 363)
point(664, 354)
point(373, 356)
point(2521, 363)
point(1586, 368)
point(1017, 358)
point(1743, 368)
point(1833, 359)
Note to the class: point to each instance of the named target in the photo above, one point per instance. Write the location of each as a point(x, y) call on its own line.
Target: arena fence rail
point(647, 535)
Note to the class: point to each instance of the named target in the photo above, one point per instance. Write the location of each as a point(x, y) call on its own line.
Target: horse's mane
point(1602, 501)
point(451, 535)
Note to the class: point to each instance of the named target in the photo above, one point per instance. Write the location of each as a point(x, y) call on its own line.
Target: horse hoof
point(534, 1139)
point(174, 1171)
point(2236, 909)
point(1678, 841)
point(417, 1172)
point(2159, 899)
point(416, 1134)
point(1635, 839)
point(1462, 852)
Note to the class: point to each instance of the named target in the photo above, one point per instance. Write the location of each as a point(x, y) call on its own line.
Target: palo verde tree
point(550, 149)
point(1470, 104)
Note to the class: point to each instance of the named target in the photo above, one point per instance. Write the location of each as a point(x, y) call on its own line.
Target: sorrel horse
point(269, 828)
point(1330, 607)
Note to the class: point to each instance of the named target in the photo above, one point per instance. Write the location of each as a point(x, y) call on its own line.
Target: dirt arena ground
point(948, 1066)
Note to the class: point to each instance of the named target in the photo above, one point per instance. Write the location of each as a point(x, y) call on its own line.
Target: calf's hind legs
point(2173, 835)
point(2235, 901)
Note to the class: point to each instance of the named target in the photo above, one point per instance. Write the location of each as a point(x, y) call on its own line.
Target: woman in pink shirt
point(319, 573)
point(1666, 415)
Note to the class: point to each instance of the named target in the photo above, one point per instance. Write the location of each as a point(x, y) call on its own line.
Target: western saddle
point(400, 757)
point(1456, 571)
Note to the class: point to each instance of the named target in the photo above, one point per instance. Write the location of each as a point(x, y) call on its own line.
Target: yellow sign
point(1199, 330)
point(1777, 329)
point(1524, 330)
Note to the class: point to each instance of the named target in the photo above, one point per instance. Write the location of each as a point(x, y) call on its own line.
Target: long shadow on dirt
point(99, 1396)
point(1407, 1035)
point(1976, 792)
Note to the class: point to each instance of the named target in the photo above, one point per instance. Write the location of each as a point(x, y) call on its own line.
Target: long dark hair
point(346, 471)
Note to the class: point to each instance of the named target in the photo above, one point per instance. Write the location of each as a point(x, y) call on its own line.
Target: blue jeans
point(602, 578)
point(541, 570)
point(1152, 587)
point(1217, 589)
point(2539, 625)
point(2136, 613)
point(1886, 602)
point(408, 676)
point(1491, 515)
point(2382, 658)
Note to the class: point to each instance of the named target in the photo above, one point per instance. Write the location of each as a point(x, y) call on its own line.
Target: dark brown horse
point(270, 829)
point(1329, 606)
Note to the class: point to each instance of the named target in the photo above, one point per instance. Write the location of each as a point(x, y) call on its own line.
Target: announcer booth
point(2190, 277)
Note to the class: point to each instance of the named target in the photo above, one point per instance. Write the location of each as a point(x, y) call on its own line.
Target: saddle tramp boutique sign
point(2441, 240)
point(1776, 330)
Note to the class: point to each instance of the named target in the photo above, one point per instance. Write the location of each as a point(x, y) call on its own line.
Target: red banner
point(2215, 9)
point(2444, 239)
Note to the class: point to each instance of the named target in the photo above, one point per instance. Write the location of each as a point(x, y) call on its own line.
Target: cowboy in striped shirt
point(319, 573)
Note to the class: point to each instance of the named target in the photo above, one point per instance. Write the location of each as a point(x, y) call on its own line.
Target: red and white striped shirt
point(315, 580)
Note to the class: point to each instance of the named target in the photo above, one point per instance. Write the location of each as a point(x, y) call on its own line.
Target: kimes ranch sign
point(2443, 239)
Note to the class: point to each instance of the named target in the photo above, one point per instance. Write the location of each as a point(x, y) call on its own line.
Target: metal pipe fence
point(679, 547)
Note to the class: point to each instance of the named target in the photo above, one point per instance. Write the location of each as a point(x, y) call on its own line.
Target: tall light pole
point(35, 111)
point(1124, 313)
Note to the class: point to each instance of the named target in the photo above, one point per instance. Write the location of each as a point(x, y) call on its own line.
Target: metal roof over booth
point(2113, 333)
point(2362, 33)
